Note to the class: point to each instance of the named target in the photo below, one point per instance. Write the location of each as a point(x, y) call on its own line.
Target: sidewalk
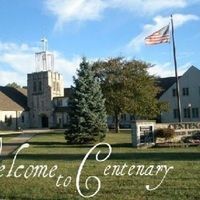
point(10, 147)
point(31, 131)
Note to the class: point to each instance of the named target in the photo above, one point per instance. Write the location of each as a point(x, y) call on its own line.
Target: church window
point(187, 113)
point(34, 86)
point(195, 112)
point(57, 86)
point(185, 91)
point(22, 119)
point(54, 86)
point(174, 93)
point(176, 113)
point(40, 86)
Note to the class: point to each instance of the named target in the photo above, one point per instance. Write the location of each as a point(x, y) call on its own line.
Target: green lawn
point(8, 137)
point(50, 149)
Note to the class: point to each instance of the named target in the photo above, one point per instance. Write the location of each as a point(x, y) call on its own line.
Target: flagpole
point(176, 73)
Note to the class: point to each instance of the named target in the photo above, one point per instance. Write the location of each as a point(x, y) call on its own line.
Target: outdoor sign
point(185, 129)
point(142, 133)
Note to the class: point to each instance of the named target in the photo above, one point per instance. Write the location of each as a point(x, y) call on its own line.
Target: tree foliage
point(13, 84)
point(128, 88)
point(88, 119)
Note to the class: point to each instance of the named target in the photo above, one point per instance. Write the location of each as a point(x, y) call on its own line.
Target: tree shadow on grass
point(122, 145)
point(157, 156)
point(47, 143)
point(135, 156)
point(58, 145)
point(10, 135)
point(65, 144)
point(12, 144)
point(49, 134)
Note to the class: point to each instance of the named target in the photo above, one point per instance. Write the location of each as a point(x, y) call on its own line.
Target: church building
point(189, 97)
point(42, 104)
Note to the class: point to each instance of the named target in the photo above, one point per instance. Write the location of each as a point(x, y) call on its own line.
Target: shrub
point(166, 133)
point(192, 139)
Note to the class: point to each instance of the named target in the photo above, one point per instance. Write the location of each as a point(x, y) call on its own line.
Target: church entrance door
point(45, 121)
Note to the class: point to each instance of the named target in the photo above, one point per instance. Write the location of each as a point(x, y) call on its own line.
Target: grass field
point(183, 182)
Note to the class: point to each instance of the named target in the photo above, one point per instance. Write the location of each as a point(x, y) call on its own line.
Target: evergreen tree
point(88, 120)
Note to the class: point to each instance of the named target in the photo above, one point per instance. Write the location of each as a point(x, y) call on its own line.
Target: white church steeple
point(44, 60)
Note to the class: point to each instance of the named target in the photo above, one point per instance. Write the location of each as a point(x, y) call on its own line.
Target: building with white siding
point(34, 107)
point(14, 112)
point(189, 95)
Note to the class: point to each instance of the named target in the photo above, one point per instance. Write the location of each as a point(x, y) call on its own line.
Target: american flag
point(160, 36)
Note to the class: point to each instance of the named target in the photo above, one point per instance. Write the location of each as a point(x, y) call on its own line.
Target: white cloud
point(147, 6)
point(10, 76)
point(87, 10)
point(18, 60)
point(19, 57)
point(75, 10)
point(167, 69)
point(9, 46)
point(159, 21)
point(180, 19)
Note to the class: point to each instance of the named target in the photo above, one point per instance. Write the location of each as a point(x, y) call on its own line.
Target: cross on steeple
point(44, 42)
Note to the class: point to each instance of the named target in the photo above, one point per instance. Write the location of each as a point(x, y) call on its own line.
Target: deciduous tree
point(13, 84)
point(128, 88)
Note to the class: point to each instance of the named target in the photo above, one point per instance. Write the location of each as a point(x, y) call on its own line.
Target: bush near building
point(166, 133)
point(195, 139)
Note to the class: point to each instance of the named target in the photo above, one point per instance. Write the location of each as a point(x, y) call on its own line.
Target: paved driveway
point(10, 147)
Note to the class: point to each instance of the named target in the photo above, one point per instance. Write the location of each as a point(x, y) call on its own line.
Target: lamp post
point(190, 111)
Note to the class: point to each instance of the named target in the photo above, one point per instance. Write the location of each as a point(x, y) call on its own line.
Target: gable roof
point(192, 68)
point(168, 82)
point(165, 84)
point(12, 99)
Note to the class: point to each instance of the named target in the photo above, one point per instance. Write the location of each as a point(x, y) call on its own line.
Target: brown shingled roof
point(12, 99)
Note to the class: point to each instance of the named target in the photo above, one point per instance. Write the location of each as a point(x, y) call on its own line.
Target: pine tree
point(88, 120)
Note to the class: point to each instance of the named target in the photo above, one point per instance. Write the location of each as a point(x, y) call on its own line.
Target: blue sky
point(95, 29)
